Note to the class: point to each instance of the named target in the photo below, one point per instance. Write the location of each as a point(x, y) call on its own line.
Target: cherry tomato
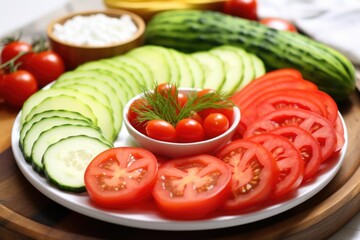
point(318, 126)
point(161, 130)
point(228, 112)
point(193, 187)
point(46, 66)
point(138, 105)
point(13, 49)
point(254, 173)
point(241, 8)
point(215, 124)
point(16, 87)
point(121, 177)
point(196, 116)
point(205, 91)
point(288, 159)
point(278, 24)
point(189, 130)
point(165, 89)
point(182, 99)
point(307, 146)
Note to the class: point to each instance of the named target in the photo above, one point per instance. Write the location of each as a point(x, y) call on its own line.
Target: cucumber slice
point(213, 68)
point(42, 125)
point(155, 60)
point(186, 78)
point(104, 117)
point(122, 75)
point(258, 65)
point(196, 70)
point(113, 104)
point(103, 76)
point(57, 133)
point(233, 65)
point(249, 72)
point(50, 113)
point(65, 161)
point(143, 68)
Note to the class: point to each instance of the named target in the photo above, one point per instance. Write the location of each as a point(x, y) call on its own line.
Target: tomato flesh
point(254, 174)
point(307, 146)
point(120, 177)
point(192, 187)
point(288, 160)
point(318, 126)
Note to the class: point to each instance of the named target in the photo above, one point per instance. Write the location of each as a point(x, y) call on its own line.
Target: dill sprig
point(166, 107)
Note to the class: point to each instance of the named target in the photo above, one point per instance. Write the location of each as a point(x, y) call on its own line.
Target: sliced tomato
point(193, 187)
point(120, 177)
point(254, 173)
point(285, 98)
point(318, 126)
point(245, 97)
point(307, 146)
point(330, 105)
point(339, 130)
point(288, 160)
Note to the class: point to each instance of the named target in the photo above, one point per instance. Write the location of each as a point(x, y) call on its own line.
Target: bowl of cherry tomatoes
point(177, 122)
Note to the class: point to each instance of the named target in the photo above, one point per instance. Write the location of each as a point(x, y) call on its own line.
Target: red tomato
point(121, 177)
point(227, 112)
point(193, 187)
point(161, 130)
point(278, 24)
point(215, 124)
point(339, 129)
point(288, 160)
point(138, 105)
point(182, 99)
point(13, 49)
point(196, 117)
point(318, 126)
point(306, 144)
point(205, 91)
point(189, 130)
point(46, 66)
point(284, 98)
point(17, 86)
point(254, 173)
point(166, 89)
point(329, 104)
point(241, 8)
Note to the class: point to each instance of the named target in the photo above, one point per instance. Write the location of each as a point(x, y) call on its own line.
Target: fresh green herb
point(166, 107)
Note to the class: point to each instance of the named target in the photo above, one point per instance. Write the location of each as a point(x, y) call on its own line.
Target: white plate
point(148, 218)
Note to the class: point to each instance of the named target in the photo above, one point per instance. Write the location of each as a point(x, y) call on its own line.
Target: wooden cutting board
point(27, 214)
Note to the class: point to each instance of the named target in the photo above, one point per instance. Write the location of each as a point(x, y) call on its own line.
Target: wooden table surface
point(27, 214)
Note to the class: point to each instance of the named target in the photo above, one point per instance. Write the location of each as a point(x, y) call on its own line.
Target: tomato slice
point(244, 98)
point(120, 177)
point(339, 129)
point(318, 126)
point(330, 105)
point(254, 173)
point(307, 146)
point(285, 98)
point(288, 160)
point(193, 187)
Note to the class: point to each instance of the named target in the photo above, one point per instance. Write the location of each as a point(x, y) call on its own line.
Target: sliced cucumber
point(42, 125)
point(249, 72)
point(99, 93)
point(155, 60)
point(213, 68)
point(186, 79)
point(196, 70)
point(143, 68)
point(65, 161)
point(104, 116)
point(258, 65)
point(233, 65)
point(57, 133)
point(50, 113)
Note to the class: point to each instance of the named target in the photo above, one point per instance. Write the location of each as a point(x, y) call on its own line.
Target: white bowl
point(173, 149)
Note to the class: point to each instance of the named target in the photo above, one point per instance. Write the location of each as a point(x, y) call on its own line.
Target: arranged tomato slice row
point(193, 187)
point(288, 160)
point(318, 126)
point(120, 177)
point(254, 173)
point(306, 144)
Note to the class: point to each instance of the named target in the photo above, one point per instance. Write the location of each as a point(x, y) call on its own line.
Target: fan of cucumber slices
point(65, 125)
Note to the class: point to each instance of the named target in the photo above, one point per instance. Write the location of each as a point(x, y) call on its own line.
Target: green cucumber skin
point(192, 30)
